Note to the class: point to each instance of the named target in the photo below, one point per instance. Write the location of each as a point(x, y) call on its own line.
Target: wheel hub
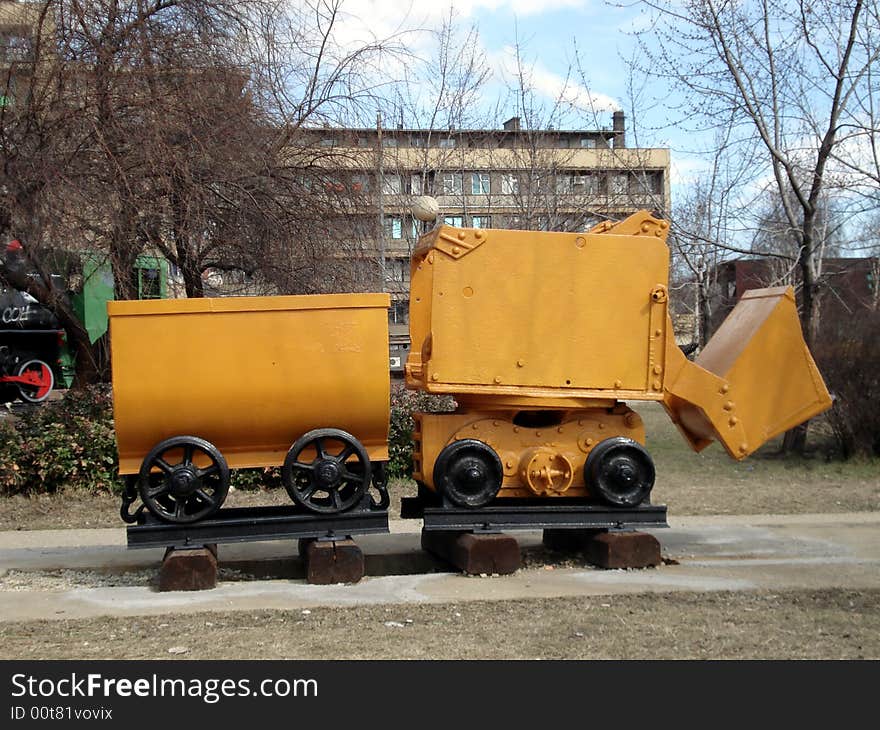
point(624, 473)
point(327, 473)
point(184, 481)
point(470, 474)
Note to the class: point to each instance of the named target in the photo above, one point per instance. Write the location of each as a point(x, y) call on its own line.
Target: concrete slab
point(715, 553)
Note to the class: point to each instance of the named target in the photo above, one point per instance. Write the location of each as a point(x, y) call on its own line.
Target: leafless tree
point(182, 127)
point(786, 77)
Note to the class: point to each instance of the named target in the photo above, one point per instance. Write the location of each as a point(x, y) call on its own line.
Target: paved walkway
point(735, 553)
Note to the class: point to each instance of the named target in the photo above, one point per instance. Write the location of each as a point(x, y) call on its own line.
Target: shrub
point(850, 364)
point(255, 479)
point(400, 443)
point(66, 443)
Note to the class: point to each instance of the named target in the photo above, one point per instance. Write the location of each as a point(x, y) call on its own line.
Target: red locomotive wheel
point(39, 381)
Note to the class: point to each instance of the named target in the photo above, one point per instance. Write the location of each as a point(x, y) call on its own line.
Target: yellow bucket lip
point(248, 304)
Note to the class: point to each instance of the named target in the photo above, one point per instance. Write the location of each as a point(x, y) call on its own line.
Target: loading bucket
point(754, 379)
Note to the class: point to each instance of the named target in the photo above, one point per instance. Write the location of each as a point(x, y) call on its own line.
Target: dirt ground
point(789, 625)
point(747, 625)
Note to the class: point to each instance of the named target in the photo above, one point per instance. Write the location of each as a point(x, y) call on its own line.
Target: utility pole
point(380, 198)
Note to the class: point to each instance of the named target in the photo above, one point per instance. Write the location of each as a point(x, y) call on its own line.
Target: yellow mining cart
point(544, 338)
point(204, 385)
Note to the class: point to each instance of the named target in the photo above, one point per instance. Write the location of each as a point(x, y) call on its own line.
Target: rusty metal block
point(190, 569)
point(336, 561)
point(475, 553)
point(616, 550)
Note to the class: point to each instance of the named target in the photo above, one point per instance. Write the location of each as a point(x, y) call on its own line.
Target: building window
point(396, 269)
point(481, 221)
point(418, 141)
point(389, 142)
point(394, 227)
point(451, 183)
point(585, 184)
point(415, 184)
point(617, 183)
point(479, 183)
point(563, 184)
point(447, 142)
point(391, 184)
point(454, 220)
point(588, 142)
point(509, 184)
point(327, 142)
point(414, 229)
point(359, 183)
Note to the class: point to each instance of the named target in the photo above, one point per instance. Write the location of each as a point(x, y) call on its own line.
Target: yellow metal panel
point(249, 374)
point(754, 380)
point(527, 310)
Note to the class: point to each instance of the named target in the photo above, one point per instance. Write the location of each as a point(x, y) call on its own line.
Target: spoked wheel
point(39, 381)
point(327, 471)
point(469, 473)
point(183, 479)
point(620, 471)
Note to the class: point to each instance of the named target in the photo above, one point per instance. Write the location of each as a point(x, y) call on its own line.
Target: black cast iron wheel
point(326, 471)
point(183, 479)
point(468, 473)
point(620, 471)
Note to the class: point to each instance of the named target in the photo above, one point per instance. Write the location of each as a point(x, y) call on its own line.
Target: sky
point(551, 32)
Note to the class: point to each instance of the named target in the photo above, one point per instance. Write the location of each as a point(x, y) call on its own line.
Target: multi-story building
point(511, 177)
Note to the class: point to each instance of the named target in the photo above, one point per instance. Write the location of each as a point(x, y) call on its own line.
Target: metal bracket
point(247, 524)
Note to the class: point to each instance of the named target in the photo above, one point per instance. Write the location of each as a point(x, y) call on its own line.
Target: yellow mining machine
point(544, 339)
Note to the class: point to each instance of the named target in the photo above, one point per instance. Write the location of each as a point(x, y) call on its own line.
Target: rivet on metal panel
point(646, 227)
point(729, 405)
point(657, 385)
point(435, 376)
point(478, 235)
point(658, 369)
point(659, 294)
point(456, 250)
point(520, 363)
point(724, 389)
point(601, 426)
point(733, 421)
point(658, 332)
point(516, 429)
point(461, 235)
point(538, 434)
point(495, 423)
point(560, 430)
point(430, 258)
point(475, 426)
point(467, 291)
point(631, 420)
point(589, 442)
point(497, 379)
point(580, 242)
point(743, 447)
point(618, 383)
